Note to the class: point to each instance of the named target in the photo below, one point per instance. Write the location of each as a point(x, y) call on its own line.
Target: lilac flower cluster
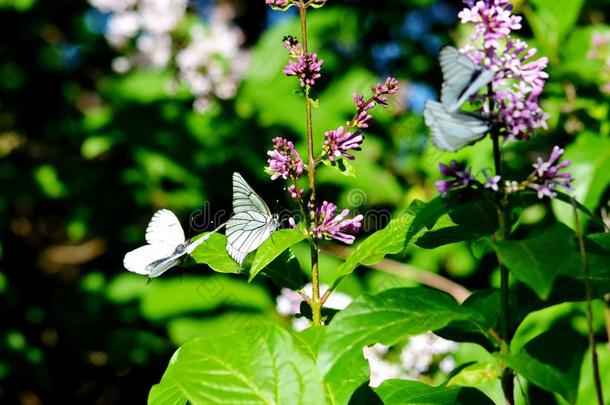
point(519, 79)
point(284, 160)
point(338, 142)
point(329, 224)
point(460, 176)
point(600, 51)
point(306, 66)
point(279, 4)
point(545, 179)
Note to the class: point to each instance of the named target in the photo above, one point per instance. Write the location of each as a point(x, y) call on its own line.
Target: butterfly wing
point(164, 228)
point(245, 198)
point(251, 224)
point(452, 131)
point(461, 78)
point(139, 260)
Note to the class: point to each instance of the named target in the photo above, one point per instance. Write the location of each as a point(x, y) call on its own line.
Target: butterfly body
point(252, 222)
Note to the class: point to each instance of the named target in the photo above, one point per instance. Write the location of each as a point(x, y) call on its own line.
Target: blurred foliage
point(87, 155)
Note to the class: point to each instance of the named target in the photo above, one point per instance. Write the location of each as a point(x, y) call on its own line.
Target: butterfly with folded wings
point(451, 129)
point(252, 222)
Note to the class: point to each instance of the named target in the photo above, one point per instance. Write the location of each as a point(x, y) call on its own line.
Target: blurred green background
point(89, 149)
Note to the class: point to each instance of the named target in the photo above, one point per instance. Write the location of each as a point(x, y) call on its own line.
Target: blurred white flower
point(122, 27)
point(415, 359)
point(380, 369)
point(155, 50)
point(210, 64)
point(161, 16)
point(112, 6)
point(417, 356)
point(288, 303)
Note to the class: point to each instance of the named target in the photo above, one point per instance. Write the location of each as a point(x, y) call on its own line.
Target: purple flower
point(337, 143)
point(363, 118)
point(492, 182)
point(284, 160)
point(381, 91)
point(492, 19)
point(546, 177)
point(279, 4)
point(295, 193)
point(293, 45)
point(307, 68)
point(600, 52)
point(518, 78)
point(461, 177)
point(327, 225)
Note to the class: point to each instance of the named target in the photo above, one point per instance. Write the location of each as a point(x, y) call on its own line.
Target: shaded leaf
point(273, 247)
point(402, 392)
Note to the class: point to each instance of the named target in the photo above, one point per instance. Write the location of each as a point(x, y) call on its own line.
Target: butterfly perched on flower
point(451, 129)
point(252, 222)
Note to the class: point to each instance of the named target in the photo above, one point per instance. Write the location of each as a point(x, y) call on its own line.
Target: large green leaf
point(259, 366)
point(539, 260)
point(373, 249)
point(402, 392)
point(285, 271)
point(385, 318)
point(551, 360)
point(213, 252)
point(273, 247)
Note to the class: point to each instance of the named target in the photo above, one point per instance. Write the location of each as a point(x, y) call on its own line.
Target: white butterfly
point(166, 246)
point(461, 78)
point(252, 222)
point(452, 131)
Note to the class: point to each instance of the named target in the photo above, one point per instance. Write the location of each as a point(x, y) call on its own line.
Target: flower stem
point(585, 269)
point(311, 174)
point(507, 377)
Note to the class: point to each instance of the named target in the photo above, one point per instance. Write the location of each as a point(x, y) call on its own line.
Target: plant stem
point(507, 377)
point(589, 295)
point(311, 174)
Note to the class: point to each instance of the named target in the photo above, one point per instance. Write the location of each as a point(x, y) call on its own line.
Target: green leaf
point(539, 260)
point(259, 366)
point(213, 253)
point(273, 247)
point(477, 374)
point(445, 236)
point(166, 298)
point(590, 156)
point(385, 318)
point(342, 166)
point(487, 304)
point(473, 213)
point(551, 21)
point(552, 360)
point(402, 392)
point(167, 393)
point(285, 271)
point(373, 249)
